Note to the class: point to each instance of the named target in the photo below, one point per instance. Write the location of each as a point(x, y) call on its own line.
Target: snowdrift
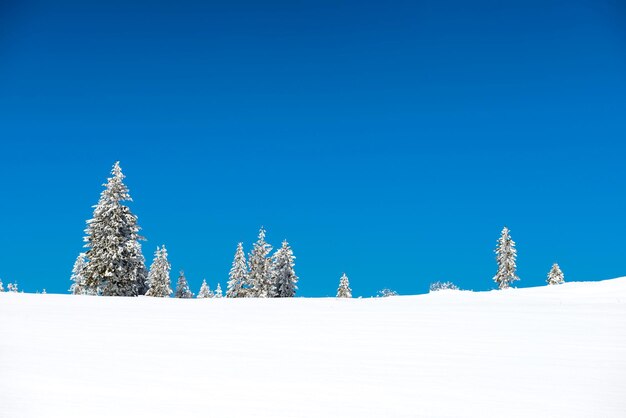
point(557, 351)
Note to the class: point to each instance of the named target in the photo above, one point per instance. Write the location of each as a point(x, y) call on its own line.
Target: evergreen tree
point(78, 280)
point(115, 266)
point(205, 291)
point(259, 276)
point(1, 286)
point(505, 256)
point(238, 275)
point(218, 291)
point(159, 276)
point(284, 277)
point(182, 287)
point(12, 287)
point(344, 290)
point(555, 276)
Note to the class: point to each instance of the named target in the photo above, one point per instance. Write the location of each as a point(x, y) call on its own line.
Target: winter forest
point(113, 264)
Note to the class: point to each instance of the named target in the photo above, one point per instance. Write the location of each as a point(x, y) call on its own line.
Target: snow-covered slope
point(557, 351)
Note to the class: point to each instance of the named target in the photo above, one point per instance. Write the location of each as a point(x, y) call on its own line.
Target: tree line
point(114, 265)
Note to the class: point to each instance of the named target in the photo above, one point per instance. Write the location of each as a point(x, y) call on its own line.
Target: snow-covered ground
point(557, 351)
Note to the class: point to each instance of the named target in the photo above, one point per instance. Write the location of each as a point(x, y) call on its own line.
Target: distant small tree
point(385, 293)
point(344, 290)
point(159, 282)
point(1, 286)
point(182, 287)
point(218, 291)
point(12, 287)
point(78, 286)
point(205, 291)
point(238, 275)
point(555, 276)
point(436, 286)
point(505, 256)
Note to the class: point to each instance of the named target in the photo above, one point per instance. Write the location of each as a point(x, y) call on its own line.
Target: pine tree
point(218, 291)
point(78, 281)
point(12, 287)
point(115, 266)
point(205, 291)
point(505, 256)
point(182, 287)
point(238, 275)
point(159, 276)
point(259, 276)
point(284, 277)
point(344, 290)
point(555, 276)
point(1, 286)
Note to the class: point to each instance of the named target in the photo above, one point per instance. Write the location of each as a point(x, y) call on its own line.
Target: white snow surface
point(552, 351)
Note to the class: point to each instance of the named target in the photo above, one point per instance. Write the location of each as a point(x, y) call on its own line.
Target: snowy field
point(557, 351)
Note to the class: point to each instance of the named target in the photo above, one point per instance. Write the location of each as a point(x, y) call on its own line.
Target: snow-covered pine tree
point(78, 281)
point(1, 286)
point(12, 287)
point(284, 277)
point(182, 287)
point(159, 276)
point(205, 291)
point(344, 290)
point(555, 276)
point(115, 266)
point(238, 275)
point(505, 256)
point(259, 276)
point(218, 291)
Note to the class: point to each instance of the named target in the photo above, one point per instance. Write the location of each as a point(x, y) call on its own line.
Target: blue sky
point(389, 140)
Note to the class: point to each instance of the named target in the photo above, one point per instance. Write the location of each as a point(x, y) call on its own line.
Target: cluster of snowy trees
point(262, 275)
point(113, 264)
point(506, 255)
point(11, 287)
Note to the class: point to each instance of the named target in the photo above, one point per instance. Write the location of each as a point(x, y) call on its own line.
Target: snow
point(551, 351)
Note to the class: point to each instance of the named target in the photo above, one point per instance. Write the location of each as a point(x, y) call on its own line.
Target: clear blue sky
point(389, 140)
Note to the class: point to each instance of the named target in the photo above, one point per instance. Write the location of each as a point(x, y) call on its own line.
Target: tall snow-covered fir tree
point(238, 275)
point(78, 280)
point(205, 291)
point(218, 291)
point(344, 290)
point(182, 287)
point(284, 277)
point(115, 265)
point(555, 276)
point(159, 282)
point(505, 256)
point(259, 276)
